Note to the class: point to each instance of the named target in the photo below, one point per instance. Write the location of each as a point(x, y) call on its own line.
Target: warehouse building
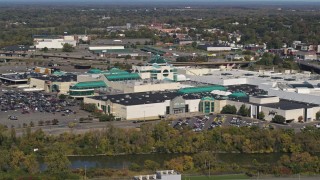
point(204, 99)
point(271, 106)
point(151, 105)
point(41, 42)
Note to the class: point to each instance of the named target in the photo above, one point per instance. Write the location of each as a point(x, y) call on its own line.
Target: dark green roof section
point(123, 77)
point(238, 94)
point(157, 60)
point(201, 89)
point(94, 71)
point(89, 85)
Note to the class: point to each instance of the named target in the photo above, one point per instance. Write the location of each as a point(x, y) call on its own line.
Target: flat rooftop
point(148, 97)
point(283, 104)
point(63, 78)
point(19, 76)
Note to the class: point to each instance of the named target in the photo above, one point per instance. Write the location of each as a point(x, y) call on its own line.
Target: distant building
point(156, 68)
point(53, 42)
point(307, 55)
point(217, 47)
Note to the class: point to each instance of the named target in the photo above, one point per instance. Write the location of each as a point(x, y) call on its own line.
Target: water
point(124, 161)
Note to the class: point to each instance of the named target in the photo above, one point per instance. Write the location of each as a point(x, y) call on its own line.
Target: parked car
point(13, 118)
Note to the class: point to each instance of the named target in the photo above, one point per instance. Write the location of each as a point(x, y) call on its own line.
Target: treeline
point(20, 153)
point(255, 25)
point(162, 138)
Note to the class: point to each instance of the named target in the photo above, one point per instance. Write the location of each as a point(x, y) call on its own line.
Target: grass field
point(217, 177)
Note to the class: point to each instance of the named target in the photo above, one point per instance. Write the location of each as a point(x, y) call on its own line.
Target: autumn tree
point(56, 161)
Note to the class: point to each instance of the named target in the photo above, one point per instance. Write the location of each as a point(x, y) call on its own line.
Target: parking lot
point(202, 123)
point(20, 109)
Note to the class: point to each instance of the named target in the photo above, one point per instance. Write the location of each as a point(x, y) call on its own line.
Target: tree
point(40, 123)
point(89, 107)
point(45, 49)
point(55, 122)
point(56, 161)
point(277, 60)
point(182, 59)
point(62, 96)
point(229, 109)
point(180, 164)
point(279, 119)
point(31, 164)
point(203, 159)
point(318, 115)
point(127, 57)
point(135, 167)
point(106, 117)
point(4, 160)
point(194, 44)
point(16, 159)
point(243, 111)
point(261, 115)
point(67, 47)
point(151, 165)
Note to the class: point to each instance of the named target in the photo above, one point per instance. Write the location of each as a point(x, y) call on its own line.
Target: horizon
point(162, 1)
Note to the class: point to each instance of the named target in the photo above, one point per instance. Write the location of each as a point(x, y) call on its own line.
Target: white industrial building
point(147, 105)
point(102, 48)
point(54, 43)
point(160, 175)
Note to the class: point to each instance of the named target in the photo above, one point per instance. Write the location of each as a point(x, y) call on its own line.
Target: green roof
point(238, 94)
point(58, 73)
point(89, 85)
point(207, 98)
point(122, 77)
point(201, 89)
point(94, 71)
point(157, 60)
point(115, 71)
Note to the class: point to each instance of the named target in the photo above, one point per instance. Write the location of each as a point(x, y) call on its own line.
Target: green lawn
point(216, 177)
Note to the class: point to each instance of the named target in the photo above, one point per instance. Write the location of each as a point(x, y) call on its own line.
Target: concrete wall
point(193, 104)
point(265, 100)
point(146, 111)
point(64, 86)
point(218, 105)
point(37, 83)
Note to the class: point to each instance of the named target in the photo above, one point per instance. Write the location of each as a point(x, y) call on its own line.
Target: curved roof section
point(123, 77)
point(201, 89)
point(238, 94)
point(207, 98)
point(89, 85)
